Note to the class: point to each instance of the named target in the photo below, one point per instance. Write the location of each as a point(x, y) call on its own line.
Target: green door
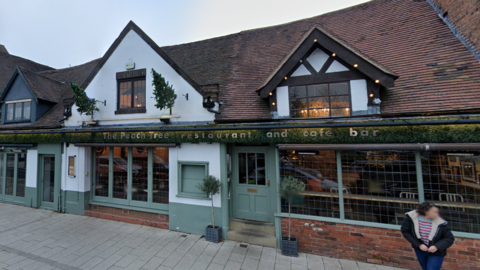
point(48, 199)
point(252, 185)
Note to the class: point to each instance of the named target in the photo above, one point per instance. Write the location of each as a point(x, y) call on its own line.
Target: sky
point(62, 33)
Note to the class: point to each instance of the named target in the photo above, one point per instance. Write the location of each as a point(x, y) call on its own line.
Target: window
point(320, 100)
point(13, 174)
point(381, 186)
point(18, 111)
point(191, 174)
point(131, 95)
point(136, 176)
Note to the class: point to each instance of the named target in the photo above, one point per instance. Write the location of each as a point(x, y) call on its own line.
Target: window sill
point(131, 111)
point(199, 197)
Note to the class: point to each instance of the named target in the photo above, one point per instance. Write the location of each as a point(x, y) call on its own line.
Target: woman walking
point(429, 235)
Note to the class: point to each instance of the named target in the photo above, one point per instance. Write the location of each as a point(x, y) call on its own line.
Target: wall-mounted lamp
point(186, 96)
point(67, 112)
point(208, 102)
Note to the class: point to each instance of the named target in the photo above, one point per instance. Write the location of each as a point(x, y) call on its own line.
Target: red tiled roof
point(436, 72)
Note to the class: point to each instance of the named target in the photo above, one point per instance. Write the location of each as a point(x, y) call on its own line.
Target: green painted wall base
point(31, 197)
point(192, 218)
point(76, 202)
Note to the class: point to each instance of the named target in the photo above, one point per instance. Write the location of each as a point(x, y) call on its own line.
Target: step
point(253, 238)
point(127, 218)
point(263, 228)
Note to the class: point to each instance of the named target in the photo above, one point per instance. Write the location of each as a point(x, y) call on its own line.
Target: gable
point(321, 55)
point(18, 90)
point(131, 26)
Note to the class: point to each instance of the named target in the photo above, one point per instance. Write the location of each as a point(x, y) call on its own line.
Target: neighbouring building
point(375, 108)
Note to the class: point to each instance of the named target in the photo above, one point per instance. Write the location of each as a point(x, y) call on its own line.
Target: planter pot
point(213, 234)
point(289, 246)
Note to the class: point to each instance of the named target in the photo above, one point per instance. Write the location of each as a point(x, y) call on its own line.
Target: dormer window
point(18, 111)
point(320, 100)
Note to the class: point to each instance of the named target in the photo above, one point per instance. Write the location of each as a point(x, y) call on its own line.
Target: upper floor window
point(18, 111)
point(320, 100)
point(131, 93)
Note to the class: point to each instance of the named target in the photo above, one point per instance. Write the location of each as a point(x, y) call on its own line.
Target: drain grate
point(243, 245)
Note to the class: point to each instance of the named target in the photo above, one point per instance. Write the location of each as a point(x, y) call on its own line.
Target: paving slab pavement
point(42, 239)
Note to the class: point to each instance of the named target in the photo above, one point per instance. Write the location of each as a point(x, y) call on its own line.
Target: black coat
point(443, 238)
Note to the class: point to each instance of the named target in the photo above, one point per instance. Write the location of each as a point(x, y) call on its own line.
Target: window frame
point(343, 220)
point(132, 109)
point(15, 104)
point(3, 177)
point(109, 200)
point(329, 100)
point(180, 192)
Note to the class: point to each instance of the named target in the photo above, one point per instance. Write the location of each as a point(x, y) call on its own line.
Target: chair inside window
point(402, 207)
point(453, 213)
point(335, 206)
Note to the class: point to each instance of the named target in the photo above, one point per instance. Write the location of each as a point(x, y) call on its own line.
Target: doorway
point(48, 198)
point(254, 184)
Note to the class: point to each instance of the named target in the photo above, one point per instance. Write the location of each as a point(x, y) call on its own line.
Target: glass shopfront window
point(452, 181)
point(136, 176)
point(13, 174)
point(381, 186)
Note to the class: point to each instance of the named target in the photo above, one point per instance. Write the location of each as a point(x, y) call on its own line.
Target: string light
point(286, 78)
point(271, 93)
point(333, 54)
point(377, 81)
point(355, 65)
point(314, 40)
point(371, 95)
point(273, 103)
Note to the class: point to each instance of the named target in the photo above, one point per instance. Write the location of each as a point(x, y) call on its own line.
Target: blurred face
point(433, 213)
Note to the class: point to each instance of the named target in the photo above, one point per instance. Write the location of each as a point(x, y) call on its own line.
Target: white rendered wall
point(283, 103)
point(336, 67)
point(32, 167)
point(81, 181)
point(301, 71)
point(193, 152)
point(317, 59)
point(359, 92)
point(104, 87)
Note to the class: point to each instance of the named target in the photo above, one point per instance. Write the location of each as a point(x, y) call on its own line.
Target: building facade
point(373, 115)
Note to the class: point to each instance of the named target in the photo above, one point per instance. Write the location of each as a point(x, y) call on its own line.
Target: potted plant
point(289, 189)
point(211, 186)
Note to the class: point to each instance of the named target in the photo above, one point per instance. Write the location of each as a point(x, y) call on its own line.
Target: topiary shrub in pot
point(289, 189)
point(211, 186)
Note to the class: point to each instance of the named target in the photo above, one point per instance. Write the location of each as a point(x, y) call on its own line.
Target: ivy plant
point(163, 92)
point(289, 189)
point(210, 186)
point(82, 101)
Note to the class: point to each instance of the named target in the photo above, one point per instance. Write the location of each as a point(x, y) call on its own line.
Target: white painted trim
point(17, 101)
